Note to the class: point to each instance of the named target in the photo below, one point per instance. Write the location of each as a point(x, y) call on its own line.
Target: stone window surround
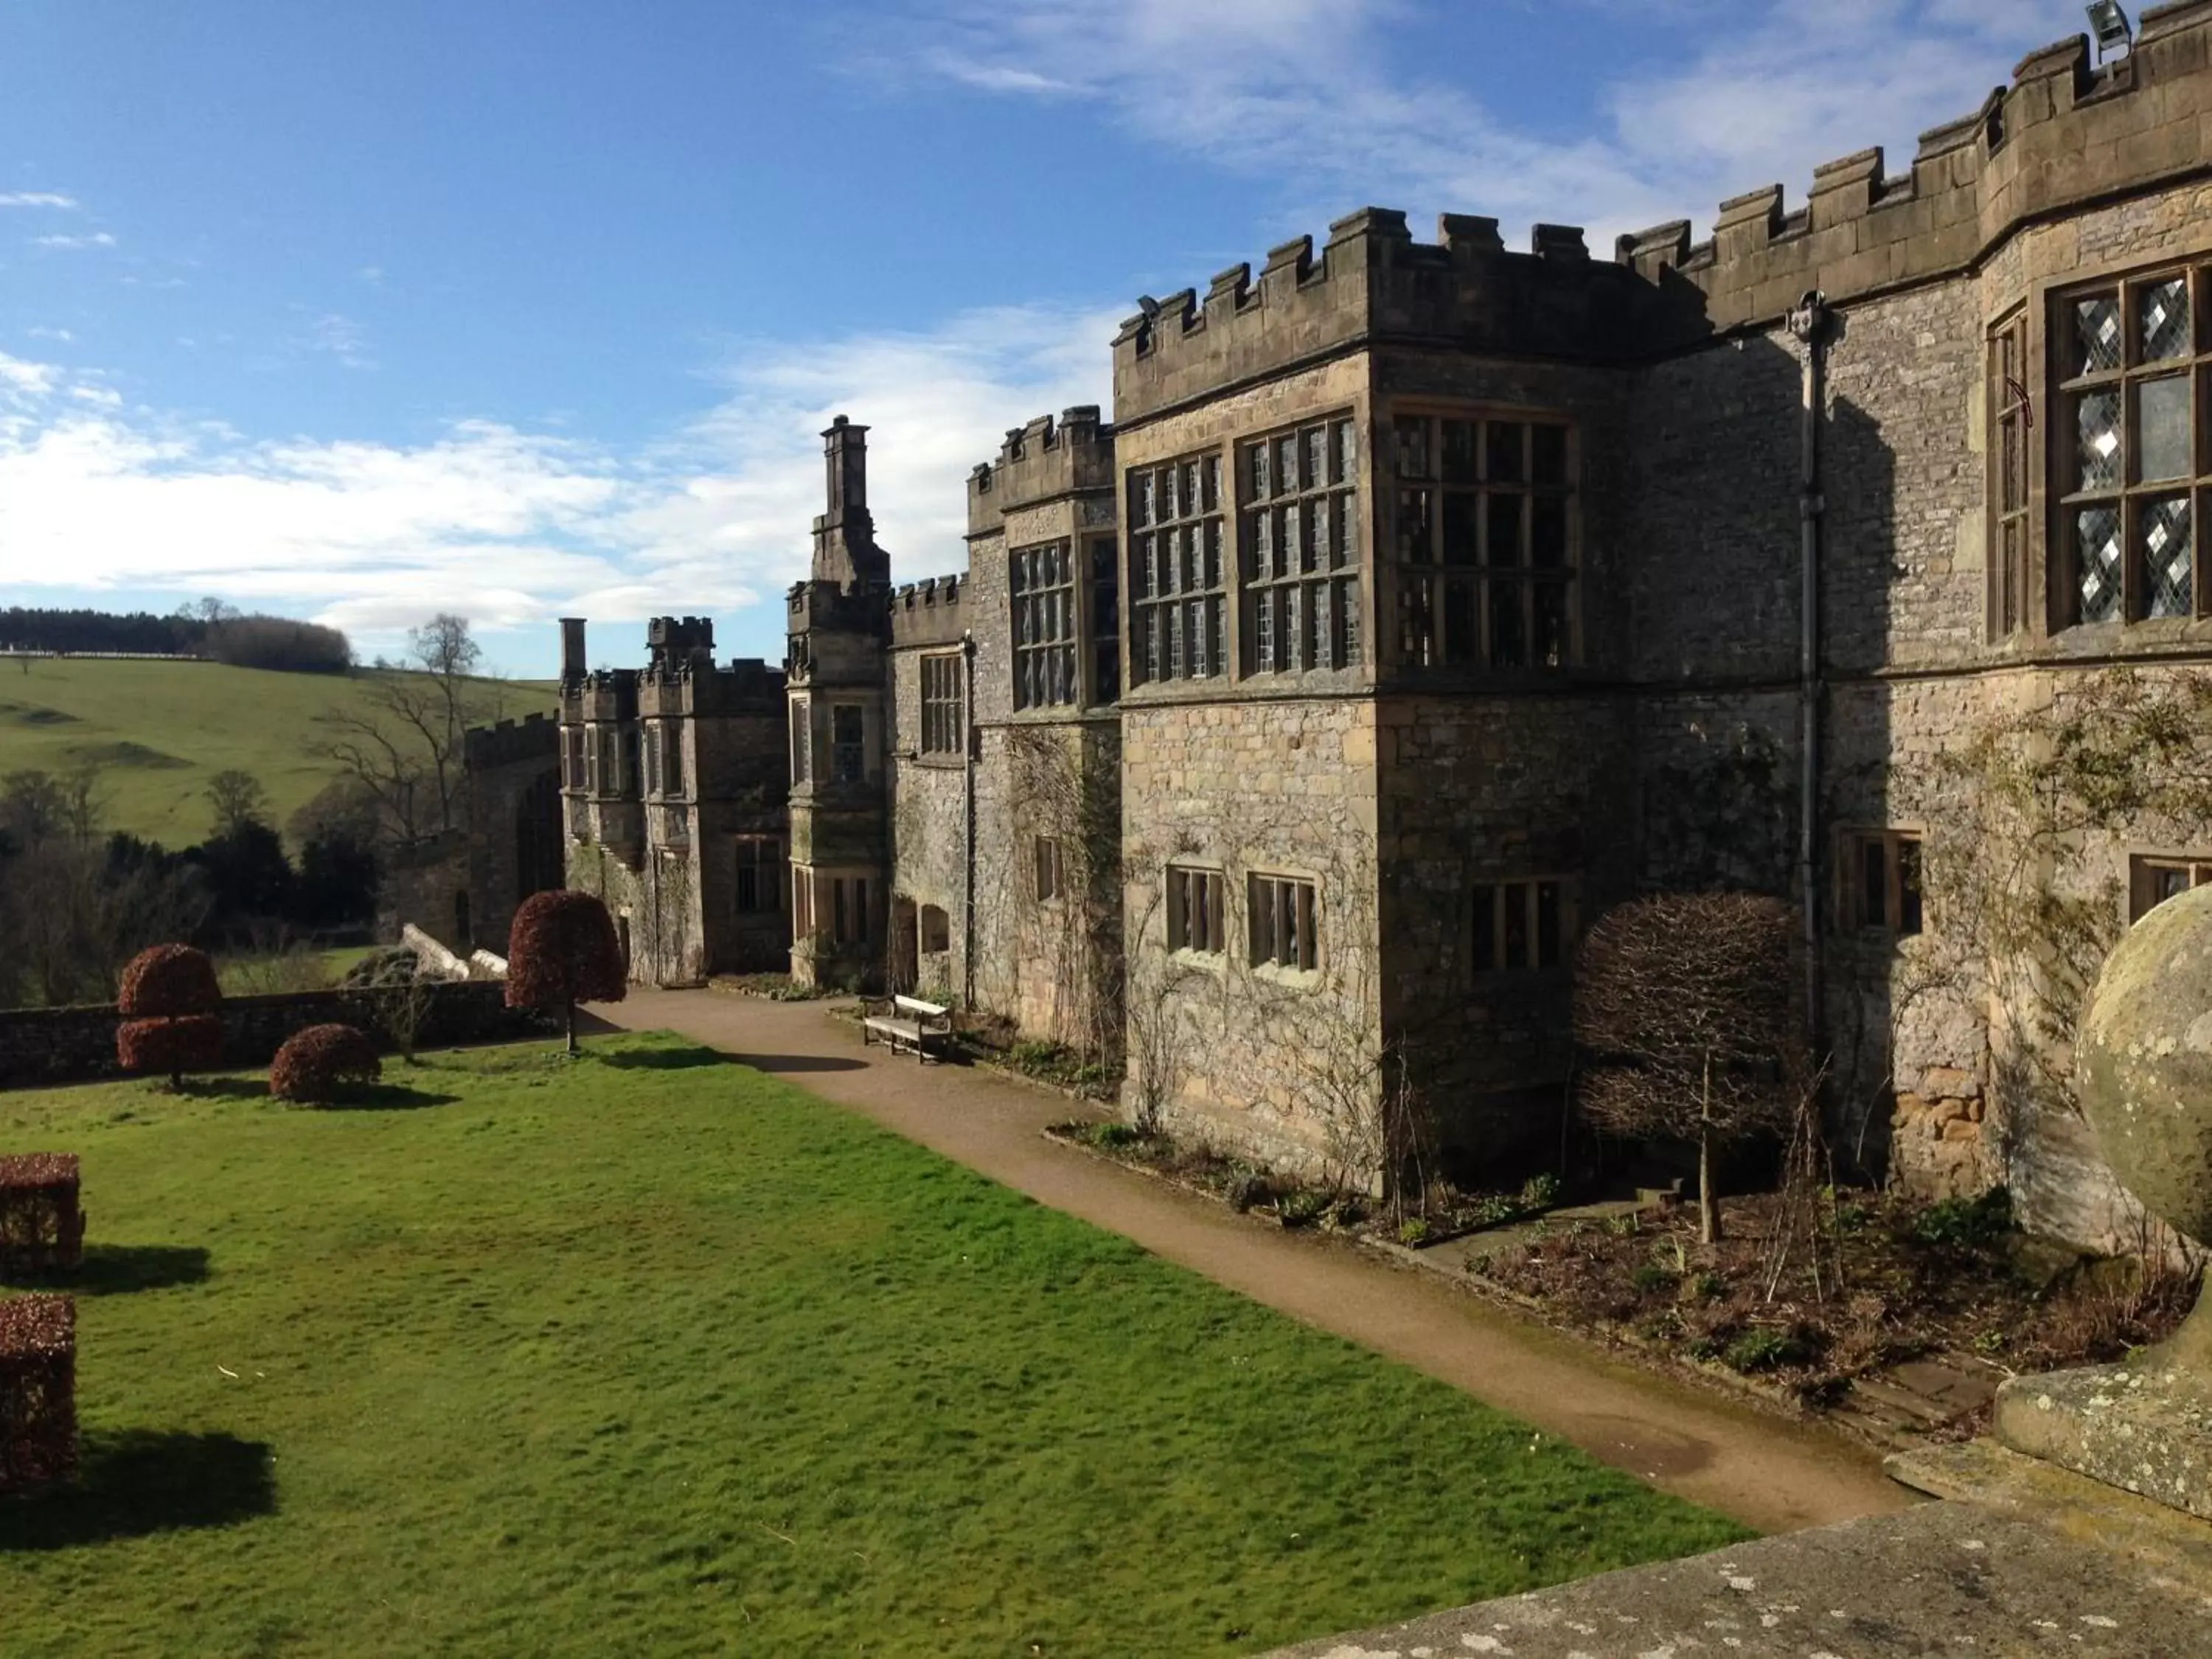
point(2052, 308)
point(1212, 914)
point(1904, 880)
point(1048, 869)
point(762, 858)
point(1490, 944)
point(1272, 601)
point(664, 758)
point(1159, 612)
point(1047, 631)
point(611, 746)
point(832, 907)
point(802, 740)
point(943, 706)
point(2148, 870)
point(2011, 451)
point(1266, 894)
point(1481, 580)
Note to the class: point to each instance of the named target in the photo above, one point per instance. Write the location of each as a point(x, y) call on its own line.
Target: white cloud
point(1307, 90)
point(512, 528)
point(340, 336)
point(97, 238)
point(60, 334)
point(35, 198)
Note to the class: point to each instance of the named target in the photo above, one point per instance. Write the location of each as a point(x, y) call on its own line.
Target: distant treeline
point(243, 641)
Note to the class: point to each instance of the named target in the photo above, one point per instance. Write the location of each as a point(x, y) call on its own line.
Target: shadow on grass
point(225, 1088)
point(114, 1269)
point(385, 1097)
point(139, 1481)
point(657, 1060)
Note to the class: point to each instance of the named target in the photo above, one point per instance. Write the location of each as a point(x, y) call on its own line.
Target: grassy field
point(158, 731)
point(649, 1353)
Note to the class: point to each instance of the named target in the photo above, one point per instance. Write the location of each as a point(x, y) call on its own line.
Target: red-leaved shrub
point(318, 1061)
point(562, 950)
point(41, 1226)
point(175, 1046)
point(167, 981)
point(168, 1003)
point(38, 1392)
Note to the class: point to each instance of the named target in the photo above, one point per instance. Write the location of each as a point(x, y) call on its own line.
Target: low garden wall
point(43, 1046)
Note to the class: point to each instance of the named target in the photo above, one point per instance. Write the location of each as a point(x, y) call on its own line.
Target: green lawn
point(650, 1354)
point(158, 731)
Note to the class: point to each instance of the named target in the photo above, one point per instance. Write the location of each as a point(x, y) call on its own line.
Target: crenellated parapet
point(603, 695)
point(927, 612)
point(699, 687)
point(1372, 282)
point(511, 743)
point(2064, 134)
point(1040, 462)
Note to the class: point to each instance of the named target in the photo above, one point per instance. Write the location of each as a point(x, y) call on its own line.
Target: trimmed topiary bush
point(41, 1224)
point(168, 1003)
point(562, 950)
point(38, 1392)
point(318, 1064)
point(168, 982)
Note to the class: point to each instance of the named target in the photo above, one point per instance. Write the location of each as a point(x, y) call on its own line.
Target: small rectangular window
point(1195, 910)
point(1050, 876)
point(847, 748)
point(802, 742)
point(1881, 870)
point(1520, 926)
point(671, 739)
point(2152, 881)
point(653, 780)
point(942, 720)
point(1282, 921)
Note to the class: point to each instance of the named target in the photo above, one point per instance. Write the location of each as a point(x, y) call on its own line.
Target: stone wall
point(43, 1047)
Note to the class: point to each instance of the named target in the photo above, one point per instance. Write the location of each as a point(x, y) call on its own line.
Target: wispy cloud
point(95, 238)
point(1321, 92)
point(513, 527)
point(340, 336)
point(35, 198)
point(62, 335)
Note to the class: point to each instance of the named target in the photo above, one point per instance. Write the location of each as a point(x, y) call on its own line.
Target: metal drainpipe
point(1811, 323)
point(969, 741)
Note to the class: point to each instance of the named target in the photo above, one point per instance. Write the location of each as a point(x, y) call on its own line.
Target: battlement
point(700, 687)
point(605, 694)
point(672, 641)
point(1372, 282)
point(927, 612)
point(510, 743)
point(1040, 461)
point(825, 606)
point(2061, 137)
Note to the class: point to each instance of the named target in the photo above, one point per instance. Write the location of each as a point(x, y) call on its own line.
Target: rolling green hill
point(158, 731)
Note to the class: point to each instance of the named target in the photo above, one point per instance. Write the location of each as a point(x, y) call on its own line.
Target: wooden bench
point(907, 1023)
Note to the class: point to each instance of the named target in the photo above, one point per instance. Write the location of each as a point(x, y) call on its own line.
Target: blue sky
point(524, 309)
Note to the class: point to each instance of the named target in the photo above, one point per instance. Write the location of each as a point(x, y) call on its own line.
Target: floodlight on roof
point(2111, 24)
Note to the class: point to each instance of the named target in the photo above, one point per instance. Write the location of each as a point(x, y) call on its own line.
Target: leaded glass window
point(1043, 584)
point(1177, 596)
point(2014, 420)
point(2132, 362)
point(1301, 548)
point(1486, 531)
point(944, 719)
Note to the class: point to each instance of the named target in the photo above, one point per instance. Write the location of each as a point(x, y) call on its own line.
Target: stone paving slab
point(1952, 1578)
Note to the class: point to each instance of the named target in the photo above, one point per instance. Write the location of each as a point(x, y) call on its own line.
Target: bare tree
point(236, 799)
point(405, 745)
point(1685, 1003)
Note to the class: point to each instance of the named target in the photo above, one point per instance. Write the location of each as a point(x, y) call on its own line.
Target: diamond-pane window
point(2097, 330)
point(2134, 378)
point(2097, 420)
point(2167, 553)
point(2099, 531)
point(2165, 311)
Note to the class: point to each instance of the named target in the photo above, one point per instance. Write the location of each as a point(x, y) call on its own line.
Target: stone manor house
point(1421, 600)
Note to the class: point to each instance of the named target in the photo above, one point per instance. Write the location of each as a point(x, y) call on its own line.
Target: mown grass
point(648, 1354)
point(158, 731)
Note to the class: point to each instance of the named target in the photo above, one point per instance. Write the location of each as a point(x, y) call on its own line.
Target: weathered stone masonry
point(1421, 601)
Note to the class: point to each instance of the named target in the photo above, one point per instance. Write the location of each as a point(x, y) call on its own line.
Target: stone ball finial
point(2143, 1068)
